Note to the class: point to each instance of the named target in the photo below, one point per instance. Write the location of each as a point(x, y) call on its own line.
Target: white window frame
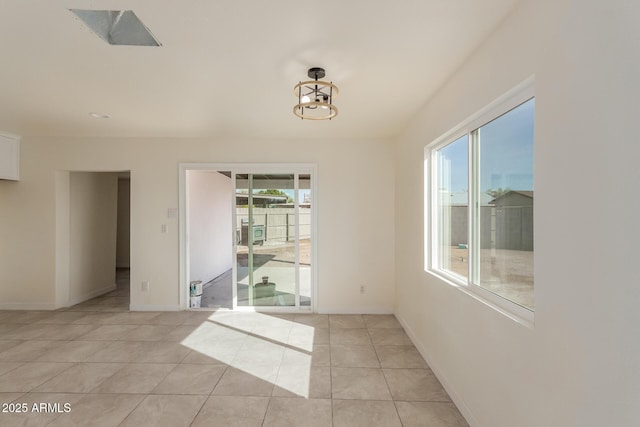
point(510, 100)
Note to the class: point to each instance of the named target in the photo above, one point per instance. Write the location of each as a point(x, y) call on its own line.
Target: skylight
point(117, 27)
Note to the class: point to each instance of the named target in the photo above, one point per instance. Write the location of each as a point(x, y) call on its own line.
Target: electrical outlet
point(164, 228)
point(362, 289)
point(145, 286)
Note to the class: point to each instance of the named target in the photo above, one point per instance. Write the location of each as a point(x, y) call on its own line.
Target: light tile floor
point(112, 367)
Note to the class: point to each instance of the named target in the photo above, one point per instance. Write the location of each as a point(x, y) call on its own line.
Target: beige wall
point(352, 174)
point(92, 240)
point(578, 366)
point(210, 224)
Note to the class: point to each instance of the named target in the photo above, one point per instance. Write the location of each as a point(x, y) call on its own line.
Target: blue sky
point(506, 153)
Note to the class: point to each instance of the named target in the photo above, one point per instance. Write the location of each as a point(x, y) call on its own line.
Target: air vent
point(117, 27)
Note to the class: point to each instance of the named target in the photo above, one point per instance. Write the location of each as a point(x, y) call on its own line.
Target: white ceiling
point(228, 67)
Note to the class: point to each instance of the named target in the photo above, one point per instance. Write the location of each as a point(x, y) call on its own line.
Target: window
point(480, 204)
point(452, 210)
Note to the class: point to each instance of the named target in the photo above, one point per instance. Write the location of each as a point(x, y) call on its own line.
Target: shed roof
point(525, 193)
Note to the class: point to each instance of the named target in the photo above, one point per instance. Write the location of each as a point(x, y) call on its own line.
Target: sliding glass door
point(273, 230)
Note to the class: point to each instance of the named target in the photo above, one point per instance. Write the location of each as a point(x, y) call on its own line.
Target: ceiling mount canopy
point(315, 97)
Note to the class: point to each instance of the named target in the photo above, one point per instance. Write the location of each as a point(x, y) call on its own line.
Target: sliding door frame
point(250, 168)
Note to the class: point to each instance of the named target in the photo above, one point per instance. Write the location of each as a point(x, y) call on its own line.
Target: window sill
point(513, 311)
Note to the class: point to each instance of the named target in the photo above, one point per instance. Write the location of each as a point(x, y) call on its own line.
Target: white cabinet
point(9, 157)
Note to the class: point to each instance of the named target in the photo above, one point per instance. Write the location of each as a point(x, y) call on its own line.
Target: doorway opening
point(247, 237)
point(93, 239)
point(123, 241)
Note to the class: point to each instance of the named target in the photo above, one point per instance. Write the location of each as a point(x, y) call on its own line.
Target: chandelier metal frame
point(315, 97)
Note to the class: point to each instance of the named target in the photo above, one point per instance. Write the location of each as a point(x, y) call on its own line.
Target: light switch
point(164, 228)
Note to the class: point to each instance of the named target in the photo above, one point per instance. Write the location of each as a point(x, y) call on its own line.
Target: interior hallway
point(121, 368)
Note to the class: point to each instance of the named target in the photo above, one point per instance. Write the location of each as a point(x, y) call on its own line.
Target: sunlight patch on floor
point(267, 347)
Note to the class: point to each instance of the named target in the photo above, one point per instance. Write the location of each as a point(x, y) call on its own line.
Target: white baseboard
point(27, 306)
point(455, 397)
point(144, 307)
point(92, 294)
point(355, 310)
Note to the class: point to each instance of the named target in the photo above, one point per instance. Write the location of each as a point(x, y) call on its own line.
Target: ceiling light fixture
point(315, 97)
point(99, 115)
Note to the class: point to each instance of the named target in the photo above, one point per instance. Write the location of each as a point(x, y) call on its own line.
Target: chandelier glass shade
point(315, 97)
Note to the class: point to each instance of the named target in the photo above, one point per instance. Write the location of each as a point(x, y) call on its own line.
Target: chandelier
point(315, 97)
